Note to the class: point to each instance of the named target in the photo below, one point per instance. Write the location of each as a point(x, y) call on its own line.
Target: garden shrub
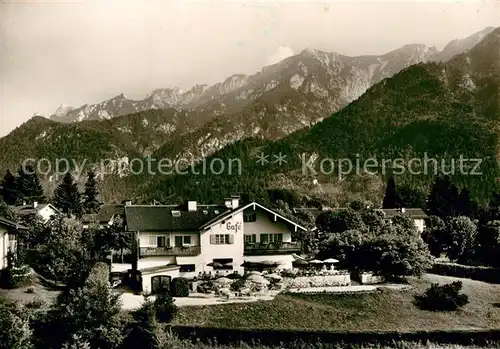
point(442, 298)
point(164, 307)
point(99, 273)
point(180, 287)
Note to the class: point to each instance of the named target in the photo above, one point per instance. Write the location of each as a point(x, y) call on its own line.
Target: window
point(187, 240)
point(250, 238)
point(267, 238)
point(220, 239)
point(178, 241)
point(161, 241)
point(276, 237)
point(186, 268)
point(152, 240)
point(249, 217)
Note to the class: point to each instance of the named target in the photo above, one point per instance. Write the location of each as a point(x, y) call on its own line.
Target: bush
point(479, 273)
point(15, 277)
point(442, 298)
point(180, 287)
point(164, 307)
point(99, 273)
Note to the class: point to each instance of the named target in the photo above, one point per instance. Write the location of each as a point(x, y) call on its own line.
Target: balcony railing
point(253, 249)
point(170, 251)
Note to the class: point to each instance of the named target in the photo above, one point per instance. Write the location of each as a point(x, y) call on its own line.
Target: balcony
point(170, 251)
point(257, 249)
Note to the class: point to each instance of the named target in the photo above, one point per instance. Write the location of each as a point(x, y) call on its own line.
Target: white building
point(8, 242)
point(186, 241)
point(43, 212)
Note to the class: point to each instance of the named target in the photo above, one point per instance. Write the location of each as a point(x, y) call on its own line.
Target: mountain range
point(285, 103)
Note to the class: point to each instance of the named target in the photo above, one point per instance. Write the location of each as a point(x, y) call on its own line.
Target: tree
point(90, 194)
point(6, 212)
point(28, 185)
point(488, 242)
point(91, 312)
point(466, 206)
point(462, 233)
point(391, 197)
point(345, 246)
point(337, 222)
point(442, 200)
point(145, 328)
point(435, 236)
point(119, 239)
point(9, 190)
point(397, 252)
point(63, 255)
point(67, 197)
point(15, 332)
point(411, 197)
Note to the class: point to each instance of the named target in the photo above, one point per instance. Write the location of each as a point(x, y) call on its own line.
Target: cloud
point(283, 52)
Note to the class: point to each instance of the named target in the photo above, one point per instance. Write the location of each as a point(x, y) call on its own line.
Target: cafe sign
point(234, 227)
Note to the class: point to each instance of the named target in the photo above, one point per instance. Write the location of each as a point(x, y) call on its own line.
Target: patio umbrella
point(224, 281)
point(215, 264)
point(255, 273)
point(258, 279)
point(330, 261)
point(230, 264)
point(274, 276)
point(316, 261)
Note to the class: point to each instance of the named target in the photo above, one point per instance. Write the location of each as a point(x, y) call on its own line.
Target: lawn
point(42, 292)
point(184, 344)
point(388, 310)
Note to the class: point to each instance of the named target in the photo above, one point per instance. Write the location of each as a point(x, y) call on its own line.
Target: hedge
point(180, 287)
point(99, 273)
point(486, 274)
point(279, 337)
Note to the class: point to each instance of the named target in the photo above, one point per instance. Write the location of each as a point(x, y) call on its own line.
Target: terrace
point(170, 251)
point(272, 248)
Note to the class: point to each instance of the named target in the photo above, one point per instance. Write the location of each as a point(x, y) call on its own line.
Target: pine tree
point(67, 198)
point(28, 185)
point(442, 200)
point(8, 190)
point(391, 197)
point(90, 203)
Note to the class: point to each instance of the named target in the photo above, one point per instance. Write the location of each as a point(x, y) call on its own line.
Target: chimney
point(235, 202)
point(402, 210)
point(35, 204)
point(192, 206)
point(127, 202)
point(228, 202)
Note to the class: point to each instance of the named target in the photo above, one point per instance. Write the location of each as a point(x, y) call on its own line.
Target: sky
point(76, 52)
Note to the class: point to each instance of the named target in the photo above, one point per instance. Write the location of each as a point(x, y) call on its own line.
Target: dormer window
point(250, 217)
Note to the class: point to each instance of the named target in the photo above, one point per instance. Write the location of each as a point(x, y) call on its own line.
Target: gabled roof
point(162, 218)
point(25, 210)
point(239, 209)
point(11, 224)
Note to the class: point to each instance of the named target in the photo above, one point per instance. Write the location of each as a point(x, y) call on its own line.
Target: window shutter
point(212, 239)
point(231, 239)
